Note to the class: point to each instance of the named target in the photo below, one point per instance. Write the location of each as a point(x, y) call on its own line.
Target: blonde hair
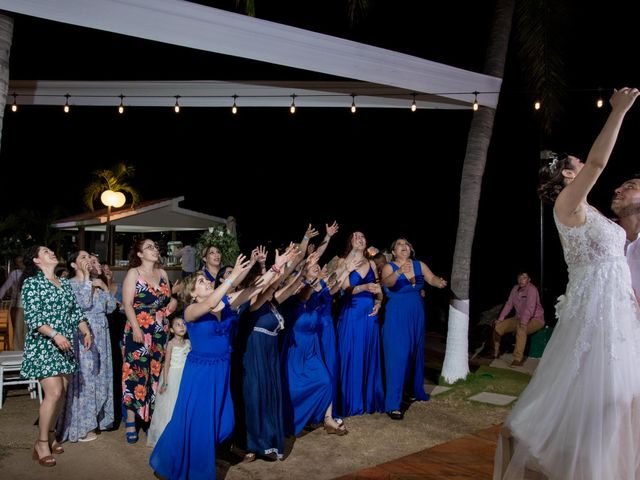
point(189, 286)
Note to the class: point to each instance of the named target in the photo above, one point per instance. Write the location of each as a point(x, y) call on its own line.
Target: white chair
point(10, 364)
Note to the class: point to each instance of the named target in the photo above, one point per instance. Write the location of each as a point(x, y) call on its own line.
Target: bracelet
point(165, 384)
point(305, 238)
point(228, 282)
point(398, 274)
point(53, 333)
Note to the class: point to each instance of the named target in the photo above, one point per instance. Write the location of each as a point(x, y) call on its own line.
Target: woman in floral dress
point(52, 316)
point(146, 297)
point(89, 403)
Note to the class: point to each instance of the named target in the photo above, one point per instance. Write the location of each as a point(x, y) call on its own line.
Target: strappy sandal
point(46, 461)
point(340, 430)
point(132, 437)
point(57, 449)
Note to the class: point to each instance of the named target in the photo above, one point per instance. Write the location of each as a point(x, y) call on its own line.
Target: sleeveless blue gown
point(327, 334)
point(403, 340)
point(361, 389)
point(203, 414)
point(309, 384)
point(261, 382)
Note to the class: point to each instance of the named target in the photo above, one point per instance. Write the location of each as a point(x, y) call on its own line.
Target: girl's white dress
point(167, 400)
point(579, 417)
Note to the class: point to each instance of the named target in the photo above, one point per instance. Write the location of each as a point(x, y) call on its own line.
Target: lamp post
point(109, 198)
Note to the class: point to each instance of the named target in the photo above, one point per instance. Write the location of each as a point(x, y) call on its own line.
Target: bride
point(579, 417)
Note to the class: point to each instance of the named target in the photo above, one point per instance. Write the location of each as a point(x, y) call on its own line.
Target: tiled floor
point(468, 457)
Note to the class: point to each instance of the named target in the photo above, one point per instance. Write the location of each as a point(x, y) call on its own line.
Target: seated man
point(529, 317)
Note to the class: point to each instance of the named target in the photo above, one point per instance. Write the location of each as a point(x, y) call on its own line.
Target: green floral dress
point(46, 304)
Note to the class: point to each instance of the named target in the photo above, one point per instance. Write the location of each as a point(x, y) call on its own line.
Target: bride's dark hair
point(551, 178)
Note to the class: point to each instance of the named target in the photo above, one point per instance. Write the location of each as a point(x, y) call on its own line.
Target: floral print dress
point(46, 304)
point(142, 361)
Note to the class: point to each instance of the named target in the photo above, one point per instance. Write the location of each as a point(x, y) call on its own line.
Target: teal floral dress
point(46, 304)
point(142, 362)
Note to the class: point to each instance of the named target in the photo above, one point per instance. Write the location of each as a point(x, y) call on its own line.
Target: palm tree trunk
point(456, 361)
point(6, 36)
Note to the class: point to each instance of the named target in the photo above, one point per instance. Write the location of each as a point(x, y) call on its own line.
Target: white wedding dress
point(579, 417)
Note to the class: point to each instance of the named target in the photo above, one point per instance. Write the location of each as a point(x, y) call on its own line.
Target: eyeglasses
point(151, 246)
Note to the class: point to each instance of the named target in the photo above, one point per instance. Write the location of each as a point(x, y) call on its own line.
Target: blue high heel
point(132, 437)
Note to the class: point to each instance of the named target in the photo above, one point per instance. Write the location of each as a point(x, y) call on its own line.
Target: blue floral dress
point(89, 402)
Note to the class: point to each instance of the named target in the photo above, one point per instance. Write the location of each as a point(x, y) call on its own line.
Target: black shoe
point(269, 457)
point(396, 415)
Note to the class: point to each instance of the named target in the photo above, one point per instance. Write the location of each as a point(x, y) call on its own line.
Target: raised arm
point(569, 206)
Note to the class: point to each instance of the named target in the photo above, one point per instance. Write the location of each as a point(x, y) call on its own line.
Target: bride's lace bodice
point(597, 240)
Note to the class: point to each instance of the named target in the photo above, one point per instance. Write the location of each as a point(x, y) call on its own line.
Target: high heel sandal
point(132, 437)
point(46, 461)
point(58, 448)
point(340, 430)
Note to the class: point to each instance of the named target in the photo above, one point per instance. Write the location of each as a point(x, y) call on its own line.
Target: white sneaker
point(91, 436)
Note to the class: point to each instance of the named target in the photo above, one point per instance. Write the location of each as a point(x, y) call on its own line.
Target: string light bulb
point(353, 104)
point(176, 107)
point(475, 102)
point(414, 107)
point(66, 103)
point(14, 106)
point(599, 102)
point(292, 108)
point(121, 106)
point(234, 108)
point(537, 105)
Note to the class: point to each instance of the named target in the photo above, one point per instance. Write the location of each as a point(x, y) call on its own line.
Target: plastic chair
point(10, 364)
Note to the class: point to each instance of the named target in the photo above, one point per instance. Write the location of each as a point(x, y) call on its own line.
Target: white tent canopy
point(205, 28)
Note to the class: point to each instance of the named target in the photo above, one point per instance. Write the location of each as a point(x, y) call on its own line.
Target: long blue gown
point(327, 334)
point(361, 389)
point(203, 414)
point(309, 384)
point(261, 382)
point(403, 339)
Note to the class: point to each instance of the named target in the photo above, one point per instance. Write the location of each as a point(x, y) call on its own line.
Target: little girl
point(175, 357)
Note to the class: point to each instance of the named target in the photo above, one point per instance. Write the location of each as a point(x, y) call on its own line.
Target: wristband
point(228, 282)
point(53, 333)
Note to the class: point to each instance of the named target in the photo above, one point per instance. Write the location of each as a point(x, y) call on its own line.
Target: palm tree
point(6, 36)
point(111, 179)
point(538, 23)
point(456, 360)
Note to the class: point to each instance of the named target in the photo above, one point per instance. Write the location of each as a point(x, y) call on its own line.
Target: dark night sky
point(321, 165)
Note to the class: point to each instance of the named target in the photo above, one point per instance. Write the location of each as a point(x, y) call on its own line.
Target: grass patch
point(488, 379)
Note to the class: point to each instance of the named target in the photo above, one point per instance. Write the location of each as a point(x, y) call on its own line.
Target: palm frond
point(539, 27)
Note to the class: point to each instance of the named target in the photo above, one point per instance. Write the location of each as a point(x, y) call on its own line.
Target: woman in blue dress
point(404, 326)
point(203, 414)
point(361, 389)
point(309, 383)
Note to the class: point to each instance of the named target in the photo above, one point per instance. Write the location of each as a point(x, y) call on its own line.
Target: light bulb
point(537, 105)
point(414, 107)
point(234, 108)
point(353, 104)
point(599, 103)
point(66, 104)
point(176, 107)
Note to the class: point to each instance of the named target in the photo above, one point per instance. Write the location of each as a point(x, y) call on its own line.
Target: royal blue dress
point(203, 414)
point(261, 382)
point(361, 389)
point(327, 334)
point(403, 340)
point(306, 376)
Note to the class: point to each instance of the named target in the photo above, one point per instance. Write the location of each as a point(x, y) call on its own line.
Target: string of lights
point(119, 100)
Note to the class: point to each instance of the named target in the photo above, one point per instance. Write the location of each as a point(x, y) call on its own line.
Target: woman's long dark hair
point(30, 268)
point(551, 178)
